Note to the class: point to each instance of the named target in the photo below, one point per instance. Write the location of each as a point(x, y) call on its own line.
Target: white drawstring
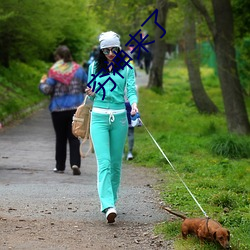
point(111, 117)
point(109, 112)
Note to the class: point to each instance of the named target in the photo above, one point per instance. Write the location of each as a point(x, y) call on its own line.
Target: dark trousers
point(131, 139)
point(62, 122)
point(130, 129)
point(147, 65)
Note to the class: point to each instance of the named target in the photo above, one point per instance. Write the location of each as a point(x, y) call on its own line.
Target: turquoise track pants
point(108, 136)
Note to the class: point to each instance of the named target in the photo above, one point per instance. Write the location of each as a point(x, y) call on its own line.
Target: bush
point(19, 88)
point(223, 200)
point(231, 146)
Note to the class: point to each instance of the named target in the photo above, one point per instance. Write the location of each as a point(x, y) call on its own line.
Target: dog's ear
point(228, 237)
point(214, 235)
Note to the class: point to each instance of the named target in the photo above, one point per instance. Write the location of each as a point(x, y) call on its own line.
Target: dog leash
point(174, 169)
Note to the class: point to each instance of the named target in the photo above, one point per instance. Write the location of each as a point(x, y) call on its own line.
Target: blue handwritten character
point(155, 21)
point(141, 43)
point(94, 79)
point(102, 85)
point(120, 59)
point(114, 69)
point(120, 62)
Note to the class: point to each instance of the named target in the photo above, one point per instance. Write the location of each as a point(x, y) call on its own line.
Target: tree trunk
point(159, 51)
point(201, 99)
point(235, 109)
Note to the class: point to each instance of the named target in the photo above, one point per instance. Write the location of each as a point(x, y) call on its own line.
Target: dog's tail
point(175, 213)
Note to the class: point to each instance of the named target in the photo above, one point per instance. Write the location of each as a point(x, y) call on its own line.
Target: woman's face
point(110, 52)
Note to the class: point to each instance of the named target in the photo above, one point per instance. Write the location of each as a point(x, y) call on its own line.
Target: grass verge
point(19, 89)
point(214, 164)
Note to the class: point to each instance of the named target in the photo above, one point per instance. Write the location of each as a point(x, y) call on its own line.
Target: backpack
point(81, 126)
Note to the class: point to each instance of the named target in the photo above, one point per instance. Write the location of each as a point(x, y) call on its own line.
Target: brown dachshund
point(204, 229)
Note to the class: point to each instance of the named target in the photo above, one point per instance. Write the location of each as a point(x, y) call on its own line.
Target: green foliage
point(29, 33)
point(170, 230)
point(224, 200)
point(241, 17)
point(231, 146)
point(175, 24)
point(19, 87)
point(242, 37)
point(243, 60)
point(131, 14)
point(219, 183)
point(176, 19)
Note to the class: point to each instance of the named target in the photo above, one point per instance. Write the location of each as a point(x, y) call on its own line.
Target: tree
point(241, 17)
point(28, 33)
point(242, 33)
point(122, 17)
point(156, 71)
point(223, 38)
point(23, 33)
point(201, 99)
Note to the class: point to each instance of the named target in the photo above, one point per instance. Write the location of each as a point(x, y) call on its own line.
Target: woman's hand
point(134, 109)
point(43, 79)
point(89, 92)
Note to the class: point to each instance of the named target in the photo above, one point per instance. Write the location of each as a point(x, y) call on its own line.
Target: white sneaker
point(58, 171)
point(130, 156)
point(111, 214)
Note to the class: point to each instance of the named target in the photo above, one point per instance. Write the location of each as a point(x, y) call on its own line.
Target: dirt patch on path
point(50, 234)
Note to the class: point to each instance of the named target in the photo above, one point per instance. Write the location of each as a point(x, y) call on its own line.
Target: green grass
point(214, 164)
point(19, 88)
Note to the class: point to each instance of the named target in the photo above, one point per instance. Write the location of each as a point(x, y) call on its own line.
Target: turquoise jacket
point(113, 99)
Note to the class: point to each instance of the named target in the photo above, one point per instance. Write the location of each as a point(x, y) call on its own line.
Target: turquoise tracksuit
point(109, 129)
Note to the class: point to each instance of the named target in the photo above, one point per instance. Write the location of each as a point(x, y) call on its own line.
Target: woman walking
point(109, 123)
point(65, 84)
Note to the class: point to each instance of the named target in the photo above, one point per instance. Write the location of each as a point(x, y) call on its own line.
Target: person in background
point(65, 83)
point(85, 66)
point(147, 59)
point(130, 133)
point(109, 125)
point(93, 55)
point(128, 109)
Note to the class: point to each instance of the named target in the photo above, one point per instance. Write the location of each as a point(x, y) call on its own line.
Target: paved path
point(26, 163)
point(27, 160)
point(141, 78)
point(31, 191)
